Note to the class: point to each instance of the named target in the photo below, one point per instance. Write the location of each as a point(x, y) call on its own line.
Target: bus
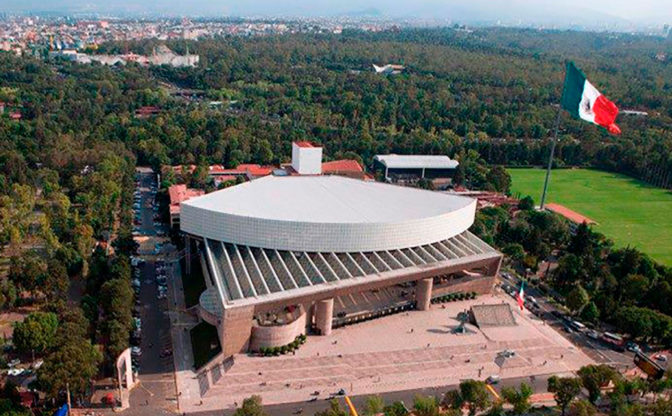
point(616, 341)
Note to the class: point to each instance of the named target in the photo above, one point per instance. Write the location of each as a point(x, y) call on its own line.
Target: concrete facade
point(278, 335)
point(235, 330)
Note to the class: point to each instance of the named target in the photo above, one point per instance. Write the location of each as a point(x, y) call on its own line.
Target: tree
point(36, 333)
point(590, 313)
point(251, 407)
point(519, 399)
point(453, 399)
point(334, 409)
point(475, 395)
point(582, 408)
point(425, 406)
point(395, 409)
point(565, 389)
point(499, 178)
point(594, 378)
point(577, 298)
point(526, 204)
point(515, 251)
point(74, 362)
point(373, 405)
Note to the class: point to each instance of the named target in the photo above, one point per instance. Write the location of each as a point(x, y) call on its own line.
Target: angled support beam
point(420, 259)
point(229, 264)
point(445, 247)
point(218, 279)
point(456, 241)
point(368, 262)
point(427, 253)
point(256, 268)
point(314, 266)
point(270, 267)
point(395, 259)
point(406, 257)
point(382, 261)
point(436, 253)
point(454, 247)
point(296, 261)
point(326, 263)
point(247, 275)
point(464, 240)
point(356, 264)
point(284, 266)
point(340, 263)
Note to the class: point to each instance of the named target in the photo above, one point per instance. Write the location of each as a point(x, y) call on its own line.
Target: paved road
point(309, 408)
point(156, 392)
point(593, 348)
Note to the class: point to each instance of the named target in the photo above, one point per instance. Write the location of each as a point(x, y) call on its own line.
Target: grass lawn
point(204, 343)
point(628, 211)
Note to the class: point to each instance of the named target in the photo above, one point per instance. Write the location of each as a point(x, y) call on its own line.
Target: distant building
point(344, 167)
point(146, 111)
point(389, 69)
point(177, 195)
point(160, 56)
point(409, 167)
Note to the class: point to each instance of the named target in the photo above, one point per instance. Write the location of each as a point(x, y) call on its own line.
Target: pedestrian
point(146, 402)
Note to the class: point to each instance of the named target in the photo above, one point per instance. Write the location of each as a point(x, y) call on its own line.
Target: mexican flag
point(520, 297)
point(584, 101)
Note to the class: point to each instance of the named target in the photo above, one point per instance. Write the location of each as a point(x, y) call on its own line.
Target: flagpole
point(550, 158)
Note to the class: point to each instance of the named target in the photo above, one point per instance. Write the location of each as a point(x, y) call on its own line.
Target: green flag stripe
point(573, 89)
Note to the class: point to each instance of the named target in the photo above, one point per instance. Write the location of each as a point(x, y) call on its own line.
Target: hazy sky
point(636, 11)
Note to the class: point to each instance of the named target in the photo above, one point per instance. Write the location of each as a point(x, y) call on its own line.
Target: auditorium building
point(294, 254)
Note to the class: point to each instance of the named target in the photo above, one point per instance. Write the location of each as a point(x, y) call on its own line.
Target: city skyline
point(620, 12)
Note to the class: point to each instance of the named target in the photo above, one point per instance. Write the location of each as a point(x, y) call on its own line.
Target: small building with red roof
point(177, 195)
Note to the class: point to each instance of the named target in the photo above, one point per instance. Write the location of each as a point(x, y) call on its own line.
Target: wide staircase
point(248, 375)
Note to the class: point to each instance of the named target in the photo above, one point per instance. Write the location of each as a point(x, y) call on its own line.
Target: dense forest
point(485, 97)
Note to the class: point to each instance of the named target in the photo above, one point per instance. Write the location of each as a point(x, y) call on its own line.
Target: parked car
point(632, 347)
point(660, 357)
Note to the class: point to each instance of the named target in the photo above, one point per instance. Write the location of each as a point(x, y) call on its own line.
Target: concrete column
point(324, 314)
point(423, 293)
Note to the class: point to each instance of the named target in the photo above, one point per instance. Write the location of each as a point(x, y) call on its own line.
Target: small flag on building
point(584, 101)
point(521, 296)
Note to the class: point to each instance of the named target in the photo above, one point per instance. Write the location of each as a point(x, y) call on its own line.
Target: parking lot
point(151, 342)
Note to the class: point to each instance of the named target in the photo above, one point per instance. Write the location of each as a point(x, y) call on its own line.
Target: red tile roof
point(304, 144)
point(344, 165)
point(256, 170)
point(180, 193)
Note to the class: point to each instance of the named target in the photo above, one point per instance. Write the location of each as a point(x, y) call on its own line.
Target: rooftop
point(305, 144)
point(180, 193)
point(343, 165)
point(328, 199)
point(393, 161)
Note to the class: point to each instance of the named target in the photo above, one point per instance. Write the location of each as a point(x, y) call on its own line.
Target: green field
point(628, 211)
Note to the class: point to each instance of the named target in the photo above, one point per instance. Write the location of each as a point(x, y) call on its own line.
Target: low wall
point(480, 285)
point(277, 335)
